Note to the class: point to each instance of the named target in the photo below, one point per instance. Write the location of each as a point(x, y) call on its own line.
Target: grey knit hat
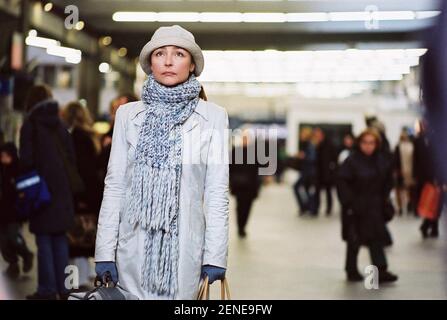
point(172, 36)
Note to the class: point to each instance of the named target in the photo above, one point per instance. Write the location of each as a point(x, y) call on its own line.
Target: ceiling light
point(80, 25)
point(41, 42)
point(104, 67)
point(32, 33)
point(122, 52)
point(48, 7)
point(107, 40)
point(269, 17)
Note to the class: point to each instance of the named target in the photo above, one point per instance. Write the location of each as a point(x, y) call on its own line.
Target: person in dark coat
point(244, 180)
point(88, 201)
point(45, 145)
point(326, 166)
point(12, 243)
point(424, 172)
point(305, 187)
point(364, 184)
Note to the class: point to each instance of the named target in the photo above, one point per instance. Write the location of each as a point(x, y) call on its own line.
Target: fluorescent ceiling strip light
point(393, 15)
point(41, 42)
point(307, 17)
point(349, 16)
point(269, 17)
point(64, 52)
point(178, 16)
point(427, 14)
point(220, 17)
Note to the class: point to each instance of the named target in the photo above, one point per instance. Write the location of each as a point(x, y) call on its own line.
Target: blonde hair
point(75, 115)
point(371, 132)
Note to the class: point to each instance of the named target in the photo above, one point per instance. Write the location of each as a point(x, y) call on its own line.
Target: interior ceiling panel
point(97, 15)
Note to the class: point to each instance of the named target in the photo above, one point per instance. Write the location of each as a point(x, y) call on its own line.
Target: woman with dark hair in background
point(364, 184)
point(45, 145)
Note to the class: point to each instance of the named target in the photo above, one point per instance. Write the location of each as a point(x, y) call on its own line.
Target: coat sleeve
point(344, 183)
point(114, 192)
point(26, 147)
point(216, 195)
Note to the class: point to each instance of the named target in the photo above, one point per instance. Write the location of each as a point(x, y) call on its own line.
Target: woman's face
point(171, 65)
point(368, 144)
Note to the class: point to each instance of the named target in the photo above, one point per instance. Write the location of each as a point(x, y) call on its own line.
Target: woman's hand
point(214, 273)
point(103, 267)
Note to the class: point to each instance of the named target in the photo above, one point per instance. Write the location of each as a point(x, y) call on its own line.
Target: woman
point(45, 145)
point(88, 201)
point(164, 218)
point(364, 185)
point(403, 166)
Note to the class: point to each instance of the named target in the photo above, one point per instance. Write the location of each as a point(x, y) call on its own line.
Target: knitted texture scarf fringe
point(153, 201)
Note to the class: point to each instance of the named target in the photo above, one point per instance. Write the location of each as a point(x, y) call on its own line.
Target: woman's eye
point(180, 54)
point(159, 53)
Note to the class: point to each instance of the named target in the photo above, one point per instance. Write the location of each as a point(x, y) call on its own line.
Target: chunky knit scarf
point(153, 201)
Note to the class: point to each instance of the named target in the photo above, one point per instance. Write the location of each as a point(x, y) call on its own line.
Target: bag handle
point(204, 291)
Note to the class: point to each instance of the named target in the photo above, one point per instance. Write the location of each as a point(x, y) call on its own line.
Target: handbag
point(104, 290)
point(32, 194)
point(429, 201)
point(204, 290)
point(32, 190)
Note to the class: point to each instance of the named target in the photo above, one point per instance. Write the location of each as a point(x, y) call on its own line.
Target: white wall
point(392, 112)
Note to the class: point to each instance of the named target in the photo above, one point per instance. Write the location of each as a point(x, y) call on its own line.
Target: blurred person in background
point(364, 184)
point(46, 146)
point(106, 139)
point(12, 243)
point(434, 78)
point(425, 172)
point(348, 145)
point(245, 181)
point(87, 203)
point(304, 188)
point(376, 124)
point(326, 166)
point(403, 167)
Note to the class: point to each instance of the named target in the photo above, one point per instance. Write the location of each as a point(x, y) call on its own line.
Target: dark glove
point(214, 273)
point(107, 266)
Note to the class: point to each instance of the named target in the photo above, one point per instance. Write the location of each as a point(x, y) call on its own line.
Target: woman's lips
point(168, 73)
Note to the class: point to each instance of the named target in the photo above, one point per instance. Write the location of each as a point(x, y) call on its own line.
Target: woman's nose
point(168, 60)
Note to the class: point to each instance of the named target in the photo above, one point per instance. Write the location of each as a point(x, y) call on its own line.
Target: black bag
point(105, 289)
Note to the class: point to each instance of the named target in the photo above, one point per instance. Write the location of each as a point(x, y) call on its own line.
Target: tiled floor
point(287, 257)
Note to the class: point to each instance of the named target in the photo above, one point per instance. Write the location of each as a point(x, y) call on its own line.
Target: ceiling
point(97, 15)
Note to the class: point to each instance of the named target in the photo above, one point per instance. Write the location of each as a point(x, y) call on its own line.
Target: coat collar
point(137, 111)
